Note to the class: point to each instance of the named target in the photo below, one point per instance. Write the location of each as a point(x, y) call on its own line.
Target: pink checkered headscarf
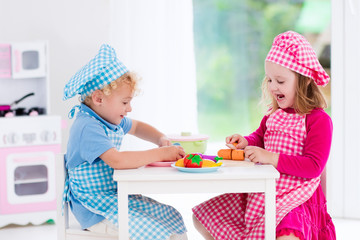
point(293, 51)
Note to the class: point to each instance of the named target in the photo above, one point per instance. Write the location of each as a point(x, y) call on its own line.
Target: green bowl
point(190, 143)
point(193, 146)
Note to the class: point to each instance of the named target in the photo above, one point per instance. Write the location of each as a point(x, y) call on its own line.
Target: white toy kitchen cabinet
point(30, 138)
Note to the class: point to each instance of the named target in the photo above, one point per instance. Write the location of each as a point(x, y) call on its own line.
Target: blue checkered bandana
point(104, 68)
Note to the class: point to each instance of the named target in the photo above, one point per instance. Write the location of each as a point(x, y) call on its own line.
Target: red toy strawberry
point(193, 161)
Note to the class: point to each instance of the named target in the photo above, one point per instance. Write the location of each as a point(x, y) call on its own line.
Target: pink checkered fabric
point(289, 140)
point(241, 216)
point(293, 51)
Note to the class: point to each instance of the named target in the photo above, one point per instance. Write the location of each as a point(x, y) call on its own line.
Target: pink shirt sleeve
point(316, 149)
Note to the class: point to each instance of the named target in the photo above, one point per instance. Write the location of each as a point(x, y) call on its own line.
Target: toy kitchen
point(29, 135)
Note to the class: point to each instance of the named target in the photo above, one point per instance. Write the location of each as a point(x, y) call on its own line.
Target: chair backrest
point(323, 181)
point(66, 229)
point(62, 222)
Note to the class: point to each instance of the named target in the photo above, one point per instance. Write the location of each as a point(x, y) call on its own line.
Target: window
point(232, 39)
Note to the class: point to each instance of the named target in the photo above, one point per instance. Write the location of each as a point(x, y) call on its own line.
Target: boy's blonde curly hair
point(129, 78)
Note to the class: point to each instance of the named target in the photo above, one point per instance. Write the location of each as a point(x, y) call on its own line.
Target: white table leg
point(123, 214)
point(270, 210)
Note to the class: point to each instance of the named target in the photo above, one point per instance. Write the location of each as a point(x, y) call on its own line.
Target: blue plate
point(196, 170)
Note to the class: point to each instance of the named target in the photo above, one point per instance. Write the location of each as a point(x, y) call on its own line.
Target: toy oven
point(27, 167)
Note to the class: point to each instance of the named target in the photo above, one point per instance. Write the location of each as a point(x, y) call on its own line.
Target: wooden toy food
point(232, 154)
point(196, 161)
point(225, 153)
point(210, 163)
point(180, 163)
point(237, 155)
point(193, 161)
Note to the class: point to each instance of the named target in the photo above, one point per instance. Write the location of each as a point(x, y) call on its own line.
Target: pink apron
point(241, 216)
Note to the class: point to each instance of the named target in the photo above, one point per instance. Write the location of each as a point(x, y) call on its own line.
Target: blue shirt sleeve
point(94, 142)
point(126, 124)
point(87, 141)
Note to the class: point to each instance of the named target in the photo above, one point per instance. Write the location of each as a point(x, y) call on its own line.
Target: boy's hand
point(164, 141)
point(237, 138)
point(260, 155)
point(173, 153)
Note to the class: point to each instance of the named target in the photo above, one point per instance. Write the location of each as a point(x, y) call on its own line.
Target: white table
point(167, 180)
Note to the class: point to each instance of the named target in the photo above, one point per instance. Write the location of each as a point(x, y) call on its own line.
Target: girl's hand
point(241, 141)
point(164, 141)
point(260, 155)
point(172, 153)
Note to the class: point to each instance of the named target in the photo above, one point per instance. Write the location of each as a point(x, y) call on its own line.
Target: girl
point(295, 137)
point(106, 88)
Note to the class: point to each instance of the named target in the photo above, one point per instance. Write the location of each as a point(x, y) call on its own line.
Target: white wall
point(344, 165)
point(74, 29)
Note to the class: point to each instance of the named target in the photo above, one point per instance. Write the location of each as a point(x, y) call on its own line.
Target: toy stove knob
point(12, 138)
point(46, 136)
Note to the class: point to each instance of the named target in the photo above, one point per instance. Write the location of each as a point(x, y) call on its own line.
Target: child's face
point(114, 107)
point(281, 84)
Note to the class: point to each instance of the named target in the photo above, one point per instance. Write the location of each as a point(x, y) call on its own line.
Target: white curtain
point(155, 39)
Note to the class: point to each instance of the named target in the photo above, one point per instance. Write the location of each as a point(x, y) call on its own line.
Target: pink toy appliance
point(28, 146)
point(5, 60)
point(28, 60)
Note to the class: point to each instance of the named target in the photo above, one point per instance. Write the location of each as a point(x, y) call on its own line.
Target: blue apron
point(93, 186)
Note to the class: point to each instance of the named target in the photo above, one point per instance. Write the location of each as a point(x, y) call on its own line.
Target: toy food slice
point(225, 153)
point(210, 163)
point(193, 161)
point(231, 154)
point(237, 155)
point(180, 163)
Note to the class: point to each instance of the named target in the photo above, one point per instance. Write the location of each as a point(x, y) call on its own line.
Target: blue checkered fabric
point(104, 68)
point(94, 187)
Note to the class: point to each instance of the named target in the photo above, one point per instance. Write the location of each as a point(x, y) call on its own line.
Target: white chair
point(67, 229)
point(323, 181)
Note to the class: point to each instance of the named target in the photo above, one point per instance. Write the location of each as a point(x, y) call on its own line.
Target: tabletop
point(169, 173)
point(250, 179)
